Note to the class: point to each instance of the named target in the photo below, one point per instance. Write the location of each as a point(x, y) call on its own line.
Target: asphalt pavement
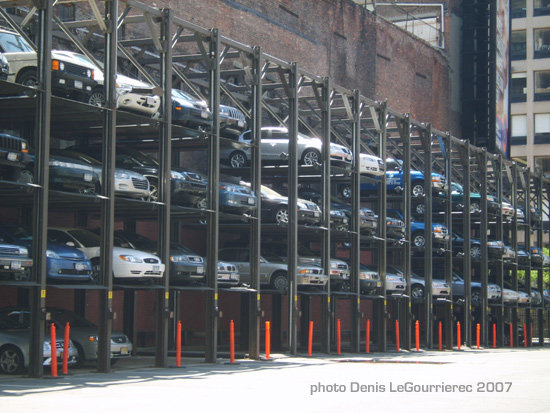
point(469, 380)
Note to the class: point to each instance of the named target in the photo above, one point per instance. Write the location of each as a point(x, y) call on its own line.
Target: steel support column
point(448, 144)
point(467, 236)
point(40, 194)
point(482, 162)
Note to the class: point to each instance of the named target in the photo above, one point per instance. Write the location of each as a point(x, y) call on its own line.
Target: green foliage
point(535, 273)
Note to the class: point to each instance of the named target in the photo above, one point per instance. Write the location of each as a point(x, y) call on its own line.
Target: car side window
point(226, 255)
point(280, 136)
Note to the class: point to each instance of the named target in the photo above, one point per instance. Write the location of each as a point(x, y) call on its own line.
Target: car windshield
point(20, 233)
point(12, 43)
point(135, 241)
point(270, 192)
point(86, 238)
point(271, 256)
point(77, 156)
point(63, 317)
point(182, 95)
point(181, 249)
point(7, 323)
point(141, 157)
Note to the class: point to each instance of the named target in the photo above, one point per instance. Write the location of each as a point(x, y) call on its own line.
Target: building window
point(542, 165)
point(542, 8)
point(542, 127)
point(542, 85)
point(518, 87)
point(518, 45)
point(518, 8)
point(67, 12)
point(542, 43)
point(519, 130)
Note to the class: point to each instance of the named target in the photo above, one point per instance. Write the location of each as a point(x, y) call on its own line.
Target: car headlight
point(51, 254)
point(301, 205)
point(3, 60)
point(176, 175)
point(229, 188)
point(438, 230)
point(122, 175)
point(90, 73)
point(131, 258)
point(178, 258)
point(93, 339)
point(307, 271)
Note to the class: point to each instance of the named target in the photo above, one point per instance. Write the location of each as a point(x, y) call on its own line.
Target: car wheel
point(81, 358)
point(346, 192)
point(279, 281)
point(28, 78)
point(201, 203)
point(417, 292)
point(281, 215)
point(420, 209)
point(153, 190)
point(96, 270)
point(475, 208)
point(417, 189)
point(11, 360)
point(418, 240)
point(475, 252)
point(22, 275)
point(311, 157)
point(476, 296)
point(26, 177)
point(345, 287)
point(342, 227)
point(237, 159)
point(96, 98)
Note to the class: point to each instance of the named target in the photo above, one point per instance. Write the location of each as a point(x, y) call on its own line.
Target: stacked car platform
point(207, 182)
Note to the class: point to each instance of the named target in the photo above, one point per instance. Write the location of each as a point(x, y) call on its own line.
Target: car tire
point(22, 275)
point(96, 270)
point(279, 281)
point(345, 286)
point(96, 98)
point(153, 190)
point(28, 78)
point(201, 203)
point(475, 208)
point(11, 360)
point(475, 252)
point(417, 292)
point(281, 215)
point(346, 192)
point(26, 177)
point(418, 240)
point(238, 159)
point(81, 358)
point(476, 296)
point(311, 157)
point(420, 208)
point(417, 189)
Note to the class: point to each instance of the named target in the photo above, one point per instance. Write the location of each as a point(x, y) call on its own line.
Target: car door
point(274, 143)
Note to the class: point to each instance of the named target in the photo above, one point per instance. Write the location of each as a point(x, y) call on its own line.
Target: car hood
point(66, 251)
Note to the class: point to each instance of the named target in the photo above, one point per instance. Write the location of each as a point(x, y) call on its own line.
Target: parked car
point(84, 334)
point(228, 274)
point(369, 280)
point(4, 67)
point(495, 249)
point(273, 270)
point(187, 187)
point(131, 94)
point(189, 111)
point(509, 254)
point(395, 183)
point(509, 296)
point(274, 149)
point(275, 208)
point(15, 347)
point(440, 233)
point(535, 216)
point(339, 269)
point(418, 285)
point(128, 183)
point(537, 256)
point(235, 198)
point(185, 265)
point(63, 262)
point(14, 259)
point(546, 295)
point(232, 121)
point(70, 77)
point(14, 156)
point(371, 165)
point(494, 292)
point(128, 264)
point(524, 257)
point(66, 174)
point(368, 220)
point(395, 229)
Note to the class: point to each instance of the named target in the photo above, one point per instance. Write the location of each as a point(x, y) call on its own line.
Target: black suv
point(13, 156)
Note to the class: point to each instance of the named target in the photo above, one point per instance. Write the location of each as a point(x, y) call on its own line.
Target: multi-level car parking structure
point(169, 53)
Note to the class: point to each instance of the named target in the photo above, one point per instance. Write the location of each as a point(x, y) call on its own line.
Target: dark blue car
point(440, 233)
point(63, 262)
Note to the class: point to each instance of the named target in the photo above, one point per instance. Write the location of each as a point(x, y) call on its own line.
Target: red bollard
point(231, 342)
point(66, 349)
point(458, 338)
point(524, 335)
point(440, 337)
point(338, 338)
point(267, 340)
point(494, 336)
point(511, 335)
point(53, 351)
point(368, 337)
point(417, 334)
point(310, 340)
point(178, 345)
point(397, 335)
point(478, 332)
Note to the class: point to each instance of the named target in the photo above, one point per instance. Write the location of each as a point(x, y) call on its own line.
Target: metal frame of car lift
point(270, 82)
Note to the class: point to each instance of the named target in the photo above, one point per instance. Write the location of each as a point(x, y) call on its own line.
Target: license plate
point(200, 270)
point(234, 276)
point(224, 276)
point(204, 115)
point(79, 266)
point(12, 156)
point(150, 100)
point(78, 84)
point(156, 267)
point(251, 201)
point(88, 177)
point(124, 350)
point(15, 265)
